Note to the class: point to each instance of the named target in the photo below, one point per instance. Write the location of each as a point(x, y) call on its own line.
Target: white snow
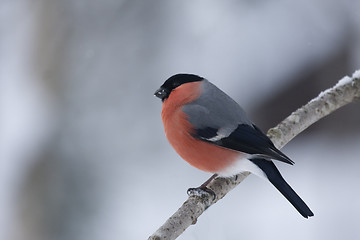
point(356, 74)
point(321, 94)
point(341, 82)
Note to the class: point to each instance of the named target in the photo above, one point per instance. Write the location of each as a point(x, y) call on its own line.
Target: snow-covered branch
point(347, 90)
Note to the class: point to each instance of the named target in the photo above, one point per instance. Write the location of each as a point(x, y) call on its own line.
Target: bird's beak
point(161, 93)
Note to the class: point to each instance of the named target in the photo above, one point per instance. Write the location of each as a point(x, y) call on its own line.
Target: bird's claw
point(201, 191)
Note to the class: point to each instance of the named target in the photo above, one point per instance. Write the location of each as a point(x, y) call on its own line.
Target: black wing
point(245, 138)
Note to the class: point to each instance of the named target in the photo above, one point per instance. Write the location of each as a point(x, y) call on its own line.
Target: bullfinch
point(210, 131)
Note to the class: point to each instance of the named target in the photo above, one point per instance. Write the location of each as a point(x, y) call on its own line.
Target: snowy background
point(82, 149)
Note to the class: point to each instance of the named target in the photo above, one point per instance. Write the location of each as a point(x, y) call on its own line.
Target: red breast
point(200, 154)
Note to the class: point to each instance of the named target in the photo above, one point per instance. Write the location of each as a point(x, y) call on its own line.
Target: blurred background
point(83, 153)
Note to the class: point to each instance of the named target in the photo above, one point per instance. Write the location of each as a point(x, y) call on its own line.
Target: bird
point(213, 133)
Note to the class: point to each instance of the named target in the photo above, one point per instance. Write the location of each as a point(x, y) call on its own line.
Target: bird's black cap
point(173, 82)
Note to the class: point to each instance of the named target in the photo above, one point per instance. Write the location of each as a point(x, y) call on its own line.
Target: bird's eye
point(176, 84)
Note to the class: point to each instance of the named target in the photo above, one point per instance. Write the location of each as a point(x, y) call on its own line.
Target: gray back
point(215, 109)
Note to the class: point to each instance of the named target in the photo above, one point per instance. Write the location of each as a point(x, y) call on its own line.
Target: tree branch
point(347, 90)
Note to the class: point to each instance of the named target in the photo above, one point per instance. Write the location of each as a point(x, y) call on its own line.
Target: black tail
point(279, 182)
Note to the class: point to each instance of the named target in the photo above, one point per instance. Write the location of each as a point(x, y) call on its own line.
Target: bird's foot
point(201, 192)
